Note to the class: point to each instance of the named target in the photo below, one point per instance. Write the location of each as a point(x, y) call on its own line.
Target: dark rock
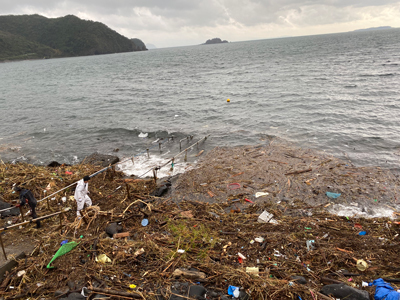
point(74, 296)
point(101, 160)
point(54, 164)
point(244, 296)
point(180, 291)
point(71, 285)
point(8, 213)
point(342, 291)
point(113, 228)
point(197, 292)
point(176, 296)
point(80, 284)
point(299, 279)
point(162, 189)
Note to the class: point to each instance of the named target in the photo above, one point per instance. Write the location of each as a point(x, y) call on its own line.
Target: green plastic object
point(63, 250)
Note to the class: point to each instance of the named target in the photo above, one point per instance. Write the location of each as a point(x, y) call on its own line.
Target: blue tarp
point(384, 290)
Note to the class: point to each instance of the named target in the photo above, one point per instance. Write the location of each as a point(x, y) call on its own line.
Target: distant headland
point(214, 41)
point(375, 28)
point(36, 37)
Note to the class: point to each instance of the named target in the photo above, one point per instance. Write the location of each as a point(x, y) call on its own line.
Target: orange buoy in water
point(228, 100)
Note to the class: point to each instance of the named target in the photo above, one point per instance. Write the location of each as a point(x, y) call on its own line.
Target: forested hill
point(35, 36)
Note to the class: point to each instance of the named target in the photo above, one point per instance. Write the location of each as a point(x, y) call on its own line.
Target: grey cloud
point(196, 18)
point(195, 13)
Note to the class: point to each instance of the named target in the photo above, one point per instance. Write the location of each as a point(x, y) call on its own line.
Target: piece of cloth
point(26, 196)
point(384, 290)
point(81, 197)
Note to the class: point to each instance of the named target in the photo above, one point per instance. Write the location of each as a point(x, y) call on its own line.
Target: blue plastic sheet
point(384, 290)
point(231, 289)
point(332, 195)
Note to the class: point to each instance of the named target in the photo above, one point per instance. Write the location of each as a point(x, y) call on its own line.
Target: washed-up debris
point(362, 265)
point(384, 290)
point(64, 249)
point(333, 195)
point(267, 217)
point(260, 194)
point(233, 291)
point(102, 258)
point(310, 245)
point(189, 274)
point(252, 270)
point(233, 186)
point(299, 279)
point(150, 254)
point(121, 235)
point(259, 239)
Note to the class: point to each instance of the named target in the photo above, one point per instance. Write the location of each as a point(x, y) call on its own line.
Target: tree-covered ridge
point(14, 47)
point(58, 37)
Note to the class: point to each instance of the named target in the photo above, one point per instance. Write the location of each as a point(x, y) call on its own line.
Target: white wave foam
point(355, 211)
point(75, 160)
point(142, 164)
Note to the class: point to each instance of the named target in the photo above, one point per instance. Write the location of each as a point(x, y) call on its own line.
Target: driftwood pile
point(190, 242)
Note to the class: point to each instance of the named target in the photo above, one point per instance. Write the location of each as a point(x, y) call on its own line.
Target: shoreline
point(364, 190)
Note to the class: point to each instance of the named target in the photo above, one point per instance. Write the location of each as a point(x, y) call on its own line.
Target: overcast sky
point(169, 23)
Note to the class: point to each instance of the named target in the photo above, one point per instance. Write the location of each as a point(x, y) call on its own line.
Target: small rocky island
point(215, 41)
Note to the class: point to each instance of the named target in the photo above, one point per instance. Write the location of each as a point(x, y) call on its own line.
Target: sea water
point(338, 93)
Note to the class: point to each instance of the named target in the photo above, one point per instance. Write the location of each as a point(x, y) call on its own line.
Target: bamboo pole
point(33, 220)
point(155, 175)
point(60, 215)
